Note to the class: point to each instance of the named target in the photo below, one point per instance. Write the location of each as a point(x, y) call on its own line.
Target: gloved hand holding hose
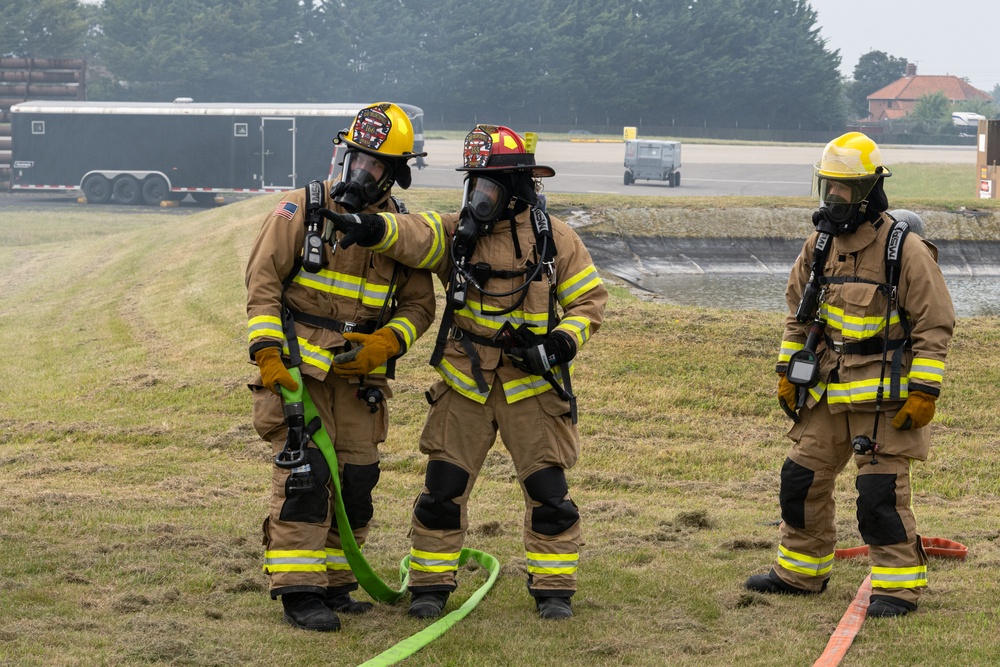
point(372, 351)
point(272, 370)
point(365, 229)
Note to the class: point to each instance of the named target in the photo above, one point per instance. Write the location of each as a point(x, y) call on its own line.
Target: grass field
point(135, 486)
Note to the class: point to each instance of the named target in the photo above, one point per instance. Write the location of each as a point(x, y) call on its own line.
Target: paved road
point(707, 170)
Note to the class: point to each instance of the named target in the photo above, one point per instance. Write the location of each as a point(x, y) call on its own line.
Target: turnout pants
point(543, 443)
point(303, 552)
point(885, 519)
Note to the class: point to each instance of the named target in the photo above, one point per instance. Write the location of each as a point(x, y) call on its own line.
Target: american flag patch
point(286, 209)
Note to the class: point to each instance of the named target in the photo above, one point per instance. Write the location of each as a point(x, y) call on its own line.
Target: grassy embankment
point(134, 485)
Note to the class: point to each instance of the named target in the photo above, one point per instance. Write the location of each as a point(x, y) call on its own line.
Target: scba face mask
point(364, 179)
point(485, 199)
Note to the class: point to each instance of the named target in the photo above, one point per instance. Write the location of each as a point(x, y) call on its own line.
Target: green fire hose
point(366, 576)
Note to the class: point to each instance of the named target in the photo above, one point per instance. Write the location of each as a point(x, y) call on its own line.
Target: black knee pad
point(437, 509)
point(878, 520)
point(308, 505)
point(795, 483)
point(556, 514)
point(356, 491)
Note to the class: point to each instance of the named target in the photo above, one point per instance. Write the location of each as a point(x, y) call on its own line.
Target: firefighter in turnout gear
point(522, 297)
point(346, 313)
point(861, 365)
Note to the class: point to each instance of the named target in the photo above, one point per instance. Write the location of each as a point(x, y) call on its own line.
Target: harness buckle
point(350, 326)
point(838, 346)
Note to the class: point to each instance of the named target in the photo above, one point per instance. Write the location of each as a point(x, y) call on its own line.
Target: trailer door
point(277, 155)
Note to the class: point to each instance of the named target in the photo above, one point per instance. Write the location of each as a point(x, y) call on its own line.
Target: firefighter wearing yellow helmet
point(523, 296)
point(860, 368)
point(342, 316)
point(379, 144)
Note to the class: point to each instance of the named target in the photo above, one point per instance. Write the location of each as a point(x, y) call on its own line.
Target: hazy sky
point(957, 38)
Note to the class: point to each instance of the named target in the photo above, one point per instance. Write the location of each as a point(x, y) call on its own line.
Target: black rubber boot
point(427, 605)
point(345, 604)
point(308, 612)
point(554, 609)
point(883, 606)
point(772, 583)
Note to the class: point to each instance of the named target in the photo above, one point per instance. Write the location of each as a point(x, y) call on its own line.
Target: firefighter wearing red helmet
point(313, 302)
point(523, 297)
point(860, 368)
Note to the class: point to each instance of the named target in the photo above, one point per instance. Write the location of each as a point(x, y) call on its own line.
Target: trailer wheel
point(677, 179)
point(155, 190)
point(126, 190)
point(203, 197)
point(629, 179)
point(97, 189)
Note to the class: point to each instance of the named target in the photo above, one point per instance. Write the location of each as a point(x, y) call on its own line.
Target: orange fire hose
point(850, 624)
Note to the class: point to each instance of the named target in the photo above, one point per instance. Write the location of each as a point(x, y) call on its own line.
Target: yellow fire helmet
point(383, 130)
point(849, 168)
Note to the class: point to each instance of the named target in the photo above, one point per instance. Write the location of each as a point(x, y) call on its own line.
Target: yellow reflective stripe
point(404, 328)
point(345, 285)
point(855, 327)
point(568, 290)
point(294, 561)
point(817, 391)
point(552, 563)
point(899, 577)
point(811, 566)
point(391, 234)
point(460, 382)
point(860, 391)
point(788, 348)
point(531, 385)
point(429, 561)
point(336, 559)
point(472, 311)
point(927, 369)
point(264, 325)
point(578, 327)
point(438, 245)
point(313, 355)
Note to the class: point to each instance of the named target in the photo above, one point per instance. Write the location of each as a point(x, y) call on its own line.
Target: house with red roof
point(898, 98)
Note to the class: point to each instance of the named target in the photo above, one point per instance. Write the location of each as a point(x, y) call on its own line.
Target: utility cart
point(652, 160)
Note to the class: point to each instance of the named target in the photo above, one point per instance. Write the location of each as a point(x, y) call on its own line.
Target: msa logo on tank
point(372, 128)
point(478, 145)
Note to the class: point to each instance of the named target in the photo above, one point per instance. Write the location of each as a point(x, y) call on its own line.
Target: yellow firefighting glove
point(273, 371)
point(917, 412)
point(372, 351)
point(787, 394)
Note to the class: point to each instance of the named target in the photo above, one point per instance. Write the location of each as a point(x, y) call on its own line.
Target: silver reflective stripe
point(572, 562)
point(435, 562)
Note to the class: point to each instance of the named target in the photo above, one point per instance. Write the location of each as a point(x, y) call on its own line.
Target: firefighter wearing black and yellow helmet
point(523, 296)
point(313, 308)
point(860, 368)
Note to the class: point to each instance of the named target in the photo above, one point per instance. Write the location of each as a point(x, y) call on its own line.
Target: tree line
point(743, 63)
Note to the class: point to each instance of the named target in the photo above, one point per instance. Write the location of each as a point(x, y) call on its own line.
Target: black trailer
point(134, 152)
